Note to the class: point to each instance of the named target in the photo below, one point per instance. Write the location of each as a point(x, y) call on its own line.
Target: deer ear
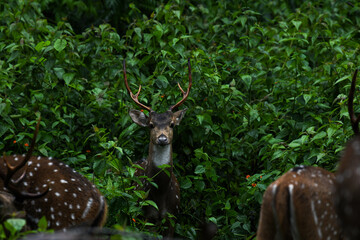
point(179, 115)
point(139, 117)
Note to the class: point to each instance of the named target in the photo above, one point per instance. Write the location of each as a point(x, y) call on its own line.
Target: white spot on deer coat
point(293, 215)
point(63, 181)
point(57, 194)
point(88, 206)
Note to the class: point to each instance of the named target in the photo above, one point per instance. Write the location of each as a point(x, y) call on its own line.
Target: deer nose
point(162, 140)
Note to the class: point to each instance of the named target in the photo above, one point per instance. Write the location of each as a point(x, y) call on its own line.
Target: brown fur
point(167, 193)
point(67, 201)
point(348, 189)
point(347, 178)
point(299, 205)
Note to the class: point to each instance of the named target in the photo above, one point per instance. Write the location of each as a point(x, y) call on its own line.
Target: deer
point(312, 203)
point(167, 193)
point(300, 205)
point(43, 186)
point(347, 186)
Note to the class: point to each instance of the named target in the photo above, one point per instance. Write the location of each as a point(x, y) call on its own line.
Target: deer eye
point(151, 125)
point(172, 124)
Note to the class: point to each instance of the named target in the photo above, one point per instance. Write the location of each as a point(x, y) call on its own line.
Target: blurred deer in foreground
point(43, 186)
point(300, 204)
point(347, 184)
point(167, 193)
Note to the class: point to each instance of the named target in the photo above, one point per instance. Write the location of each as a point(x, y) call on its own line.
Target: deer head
point(161, 124)
point(167, 193)
point(43, 186)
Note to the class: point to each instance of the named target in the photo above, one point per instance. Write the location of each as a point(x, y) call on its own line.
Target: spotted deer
point(307, 202)
point(44, 186)
point(300, 205)
point(347, 185)
point(167, 193)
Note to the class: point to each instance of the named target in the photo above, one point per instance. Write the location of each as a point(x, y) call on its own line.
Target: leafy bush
point(270, 80)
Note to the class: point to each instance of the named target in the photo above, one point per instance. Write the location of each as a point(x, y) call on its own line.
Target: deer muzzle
point(162, 140)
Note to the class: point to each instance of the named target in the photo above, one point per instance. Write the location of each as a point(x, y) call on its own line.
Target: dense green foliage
point(270, 80)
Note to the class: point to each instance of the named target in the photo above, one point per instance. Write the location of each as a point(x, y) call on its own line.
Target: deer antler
point(185, 94)
point(11, 170)
point(354, 120)
point(134, 97)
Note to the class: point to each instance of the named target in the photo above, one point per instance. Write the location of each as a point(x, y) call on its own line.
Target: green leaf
point(42, 45)
point(243, 20)
point(330, 132)
point(177, 13)
point(186, 183)
point(151, 203)
point(342, 79)
point(320, 135)
point(138, 32)
point(60, 44)
point(307, 97)
point(200, 185)
point(247, 79)
point(296, 24)
point(162, 81)
point(14, 225)
point(42, 225)
point(68, 77)
point(227, 205)
point(294, 144)
point(180, 49)
point(199, 169)
point(59, 72)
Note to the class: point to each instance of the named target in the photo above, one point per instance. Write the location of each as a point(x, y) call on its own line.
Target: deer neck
point(159, 155)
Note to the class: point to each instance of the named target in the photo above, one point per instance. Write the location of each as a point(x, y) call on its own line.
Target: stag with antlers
point(167, 193)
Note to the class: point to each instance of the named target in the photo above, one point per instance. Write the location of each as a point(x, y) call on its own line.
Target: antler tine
point(11, 170)
point(354, 120)
point(134, 97)
point(185, 94)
